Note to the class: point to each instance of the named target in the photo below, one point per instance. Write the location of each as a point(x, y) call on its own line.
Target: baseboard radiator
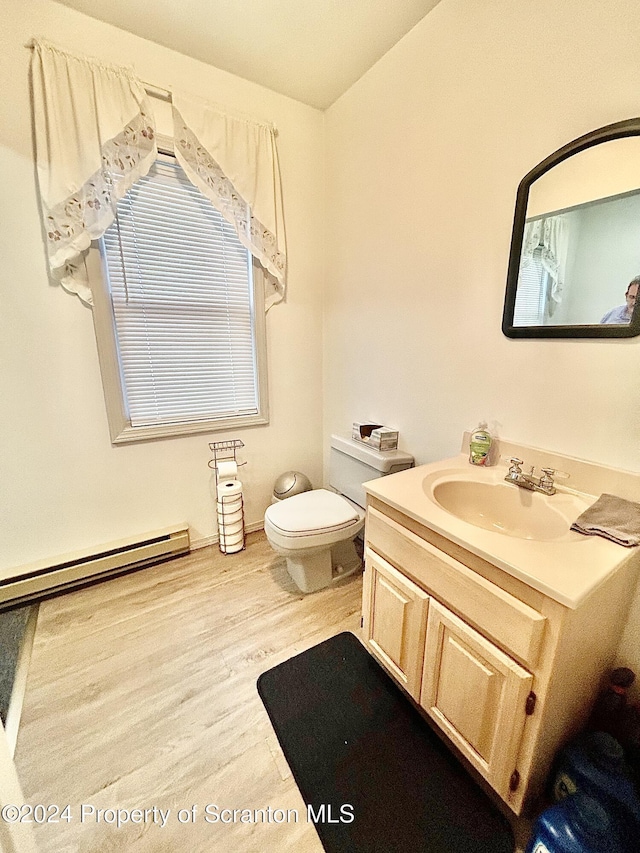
point(37, 580)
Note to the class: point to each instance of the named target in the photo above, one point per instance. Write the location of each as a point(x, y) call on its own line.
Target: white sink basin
point(508, 509)
point(525, 534)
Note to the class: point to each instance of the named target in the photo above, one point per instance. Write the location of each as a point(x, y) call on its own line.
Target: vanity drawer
point(509, 622)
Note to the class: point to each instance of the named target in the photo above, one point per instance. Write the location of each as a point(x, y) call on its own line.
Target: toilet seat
point(314, 518)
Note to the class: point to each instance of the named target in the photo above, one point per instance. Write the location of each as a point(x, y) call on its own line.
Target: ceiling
point(310, 50)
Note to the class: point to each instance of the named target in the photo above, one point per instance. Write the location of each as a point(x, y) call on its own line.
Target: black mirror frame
point(619, 130)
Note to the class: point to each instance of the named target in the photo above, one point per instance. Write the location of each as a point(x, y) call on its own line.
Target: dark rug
point(13, 624)
point(357, 746)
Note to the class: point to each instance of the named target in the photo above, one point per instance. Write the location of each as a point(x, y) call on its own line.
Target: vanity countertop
point(567, 568)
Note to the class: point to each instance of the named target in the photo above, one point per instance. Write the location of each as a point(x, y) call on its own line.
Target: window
point(531, 296)
point(180, 316)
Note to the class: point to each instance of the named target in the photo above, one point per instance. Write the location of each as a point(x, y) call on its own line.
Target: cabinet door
point(394, 621)
point(476, 694)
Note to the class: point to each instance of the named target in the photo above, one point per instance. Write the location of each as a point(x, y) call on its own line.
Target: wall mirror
point(575, 247)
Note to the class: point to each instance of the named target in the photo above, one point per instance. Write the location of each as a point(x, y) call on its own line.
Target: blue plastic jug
point(578, 824)
point(594, 764)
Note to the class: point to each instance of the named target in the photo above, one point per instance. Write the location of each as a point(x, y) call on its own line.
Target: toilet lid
point(311, 512)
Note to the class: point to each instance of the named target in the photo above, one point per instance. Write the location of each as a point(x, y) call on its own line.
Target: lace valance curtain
point(234, 162)
point(95, 136)
point(550, 235)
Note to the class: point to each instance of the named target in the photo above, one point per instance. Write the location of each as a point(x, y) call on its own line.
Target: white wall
point(607, 255)
point(424, 156)
point(63, 485)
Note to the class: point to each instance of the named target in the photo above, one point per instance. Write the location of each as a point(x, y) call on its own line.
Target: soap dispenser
point(480, 445)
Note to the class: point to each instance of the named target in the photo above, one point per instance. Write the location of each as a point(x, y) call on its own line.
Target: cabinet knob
point(514, 781)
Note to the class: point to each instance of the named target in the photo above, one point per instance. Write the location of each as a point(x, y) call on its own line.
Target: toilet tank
point(352, 463)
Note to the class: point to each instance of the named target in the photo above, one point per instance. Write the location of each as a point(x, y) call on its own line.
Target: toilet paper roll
point(227, 517)
point(227, 499)
point(232, 505)
point(229, 489)
point(232, 549)
point(230, 529)
point(232, 538)
point(228, 526)
point(227, 471)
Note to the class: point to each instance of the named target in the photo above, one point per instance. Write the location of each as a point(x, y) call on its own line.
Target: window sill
point(129, 434)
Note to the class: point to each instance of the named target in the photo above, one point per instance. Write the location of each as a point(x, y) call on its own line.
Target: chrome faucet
point(529, 481)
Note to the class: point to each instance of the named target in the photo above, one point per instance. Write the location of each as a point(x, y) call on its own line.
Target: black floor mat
point(357, 747)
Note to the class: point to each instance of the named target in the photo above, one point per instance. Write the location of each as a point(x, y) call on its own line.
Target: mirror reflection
point(574, 269)
point(577, 264)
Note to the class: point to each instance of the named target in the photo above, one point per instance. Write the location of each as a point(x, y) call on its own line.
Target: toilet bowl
point(314, 531)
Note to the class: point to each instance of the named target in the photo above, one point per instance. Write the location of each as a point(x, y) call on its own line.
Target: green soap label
point(479, 448)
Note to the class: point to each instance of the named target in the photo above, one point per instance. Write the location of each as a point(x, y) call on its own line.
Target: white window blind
point(182, 296)
point(531, 294)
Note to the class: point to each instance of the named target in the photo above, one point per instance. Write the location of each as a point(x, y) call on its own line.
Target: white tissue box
point(375, 435)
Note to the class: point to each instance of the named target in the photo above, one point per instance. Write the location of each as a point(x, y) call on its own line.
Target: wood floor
point(142, 695)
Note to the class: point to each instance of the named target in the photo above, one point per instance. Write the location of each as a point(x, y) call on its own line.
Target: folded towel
point(612, 517)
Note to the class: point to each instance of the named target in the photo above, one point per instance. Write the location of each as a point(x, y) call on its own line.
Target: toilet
point(315, 530)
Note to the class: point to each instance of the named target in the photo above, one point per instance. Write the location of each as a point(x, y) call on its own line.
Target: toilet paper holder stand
point(230, 527)
point(225, 451)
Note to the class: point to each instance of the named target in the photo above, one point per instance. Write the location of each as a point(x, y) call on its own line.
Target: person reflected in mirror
point(623, 313)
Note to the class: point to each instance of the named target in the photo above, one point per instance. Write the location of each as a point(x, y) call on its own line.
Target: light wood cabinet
point(506, 673)
point(395, 621)
point(475, 693)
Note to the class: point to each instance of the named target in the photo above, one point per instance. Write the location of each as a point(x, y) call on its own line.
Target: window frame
point(120, 428)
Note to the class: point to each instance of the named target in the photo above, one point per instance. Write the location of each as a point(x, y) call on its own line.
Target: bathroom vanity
point(490, 613)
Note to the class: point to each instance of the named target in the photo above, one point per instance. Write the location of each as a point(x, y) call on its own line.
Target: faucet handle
point(515, 465)
point(546, 481)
